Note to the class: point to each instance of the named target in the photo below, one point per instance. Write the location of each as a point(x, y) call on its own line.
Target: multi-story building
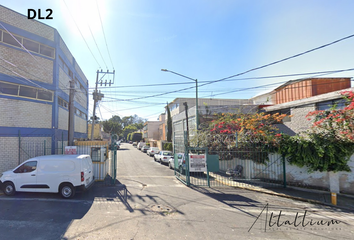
point(36, 68)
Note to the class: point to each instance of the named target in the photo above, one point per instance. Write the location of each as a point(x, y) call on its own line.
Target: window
point(30, 45)
point(45, 95)
point(62, 103)
point(10, 89)
point(7, 38)
point(337, 104)
point(96, 154)
point(27, 167)
point(28, 92)
point(47, 51)
point(25, 91)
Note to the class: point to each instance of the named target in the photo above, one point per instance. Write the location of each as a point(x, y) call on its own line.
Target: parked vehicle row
point(162, 156)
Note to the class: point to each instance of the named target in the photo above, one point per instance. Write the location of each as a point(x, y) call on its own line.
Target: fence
point(104, 160)
point(229, 163)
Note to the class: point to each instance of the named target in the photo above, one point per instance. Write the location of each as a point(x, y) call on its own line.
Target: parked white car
point(152, 150)
point(181, 163)
point(163, 157)
point(63, 174)
point(140, 145)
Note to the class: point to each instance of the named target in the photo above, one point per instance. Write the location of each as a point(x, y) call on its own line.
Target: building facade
point(36, 68)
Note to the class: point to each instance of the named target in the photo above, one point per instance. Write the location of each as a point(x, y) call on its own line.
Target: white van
point(62, 174)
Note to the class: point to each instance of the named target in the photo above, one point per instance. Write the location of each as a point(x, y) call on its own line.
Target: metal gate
point(244, 165)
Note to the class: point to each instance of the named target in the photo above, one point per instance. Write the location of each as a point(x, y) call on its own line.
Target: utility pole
point(71, 113)
point(97, 95)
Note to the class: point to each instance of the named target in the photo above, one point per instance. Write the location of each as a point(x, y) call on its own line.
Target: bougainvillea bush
point(246, 136)
point(329, 144)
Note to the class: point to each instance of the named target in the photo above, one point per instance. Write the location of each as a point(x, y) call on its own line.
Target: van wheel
point(9, 189)
point(67, 190)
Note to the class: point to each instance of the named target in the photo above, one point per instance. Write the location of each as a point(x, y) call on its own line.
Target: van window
point(27, 167)
point(85, 164)
point(57, 166)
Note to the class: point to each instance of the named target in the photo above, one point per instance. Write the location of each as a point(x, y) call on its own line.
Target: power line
point(238, 79)
point(282, 60)
point(183, 89)
point(81, 34)
point(104, 35)
point(97, 46)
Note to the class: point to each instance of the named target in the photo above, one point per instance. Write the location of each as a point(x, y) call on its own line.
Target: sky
point(201, 39)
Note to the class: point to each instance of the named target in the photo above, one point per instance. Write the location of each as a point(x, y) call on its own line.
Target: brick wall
point(8, 153)
point(18, 113)
point(299, 122)
point(30, 147)
point(64, 81)
point(81, 98)
point(66, 51)
point(81, 74)
point(80, 125)
point(39, 69)
point(20, 21)
point(63, 119)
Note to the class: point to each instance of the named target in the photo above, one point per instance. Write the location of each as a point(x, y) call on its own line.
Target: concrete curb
point(261, 190)
point(296, 198)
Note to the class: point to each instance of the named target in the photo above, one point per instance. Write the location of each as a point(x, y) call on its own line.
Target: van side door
point(25, 179)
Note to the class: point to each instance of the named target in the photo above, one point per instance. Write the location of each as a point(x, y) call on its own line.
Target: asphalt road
point(158, 206)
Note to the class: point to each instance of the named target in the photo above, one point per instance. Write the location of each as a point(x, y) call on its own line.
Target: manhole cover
point(162, 210)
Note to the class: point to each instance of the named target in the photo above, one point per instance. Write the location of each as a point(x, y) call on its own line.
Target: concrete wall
point(295, 176)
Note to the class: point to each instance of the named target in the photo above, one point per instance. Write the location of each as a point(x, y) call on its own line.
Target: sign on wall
point(70, 150)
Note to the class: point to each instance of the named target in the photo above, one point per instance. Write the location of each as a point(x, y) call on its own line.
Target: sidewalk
point(309, 195)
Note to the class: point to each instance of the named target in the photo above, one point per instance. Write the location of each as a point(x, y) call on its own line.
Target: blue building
point(36, 68)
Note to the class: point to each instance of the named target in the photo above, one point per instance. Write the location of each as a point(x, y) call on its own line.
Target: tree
point(169, 125)
point(128, 129)
point(113, 125)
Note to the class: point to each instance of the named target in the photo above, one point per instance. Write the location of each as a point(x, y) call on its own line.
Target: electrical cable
point(81, 34)
point(104, 35)
point(97, 46)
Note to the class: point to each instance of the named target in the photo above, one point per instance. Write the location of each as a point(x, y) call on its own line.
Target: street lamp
point(196, 95)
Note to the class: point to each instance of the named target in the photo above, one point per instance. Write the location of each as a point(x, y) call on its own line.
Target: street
point(158, 206)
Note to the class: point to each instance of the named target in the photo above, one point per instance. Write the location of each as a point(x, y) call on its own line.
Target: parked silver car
point(181, 163)
point(152, 150)
point(145, 148)
point(163, 157)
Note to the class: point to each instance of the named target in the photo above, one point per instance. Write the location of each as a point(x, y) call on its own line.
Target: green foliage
point(127, 130)
point(129, 136)
point(317, 152)
point(112, 126)
point(167, 146)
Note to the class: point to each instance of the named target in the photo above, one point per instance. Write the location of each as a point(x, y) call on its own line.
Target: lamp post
point(196, 95)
